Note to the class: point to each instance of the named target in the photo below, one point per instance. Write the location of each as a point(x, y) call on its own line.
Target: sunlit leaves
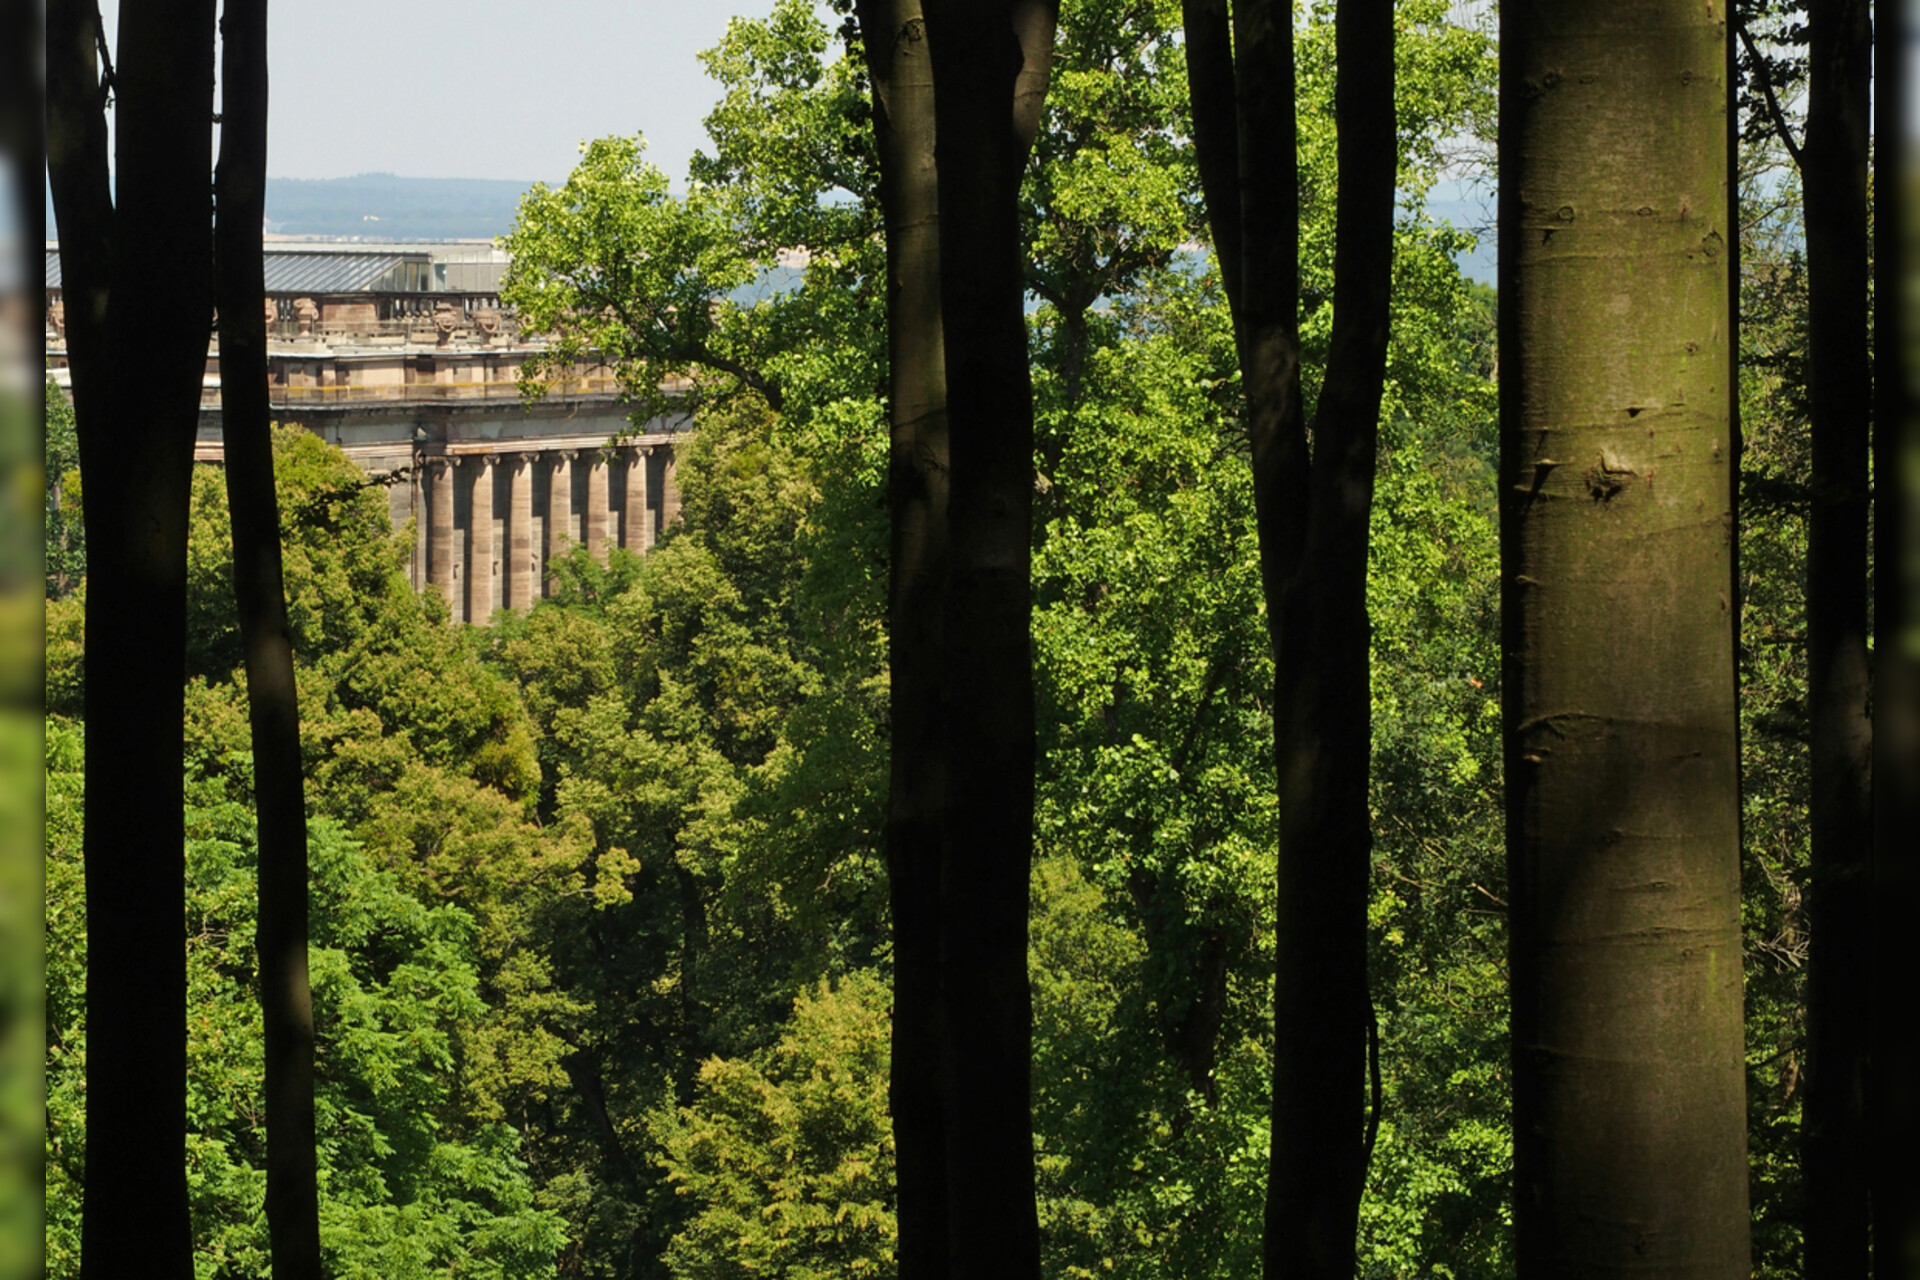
point(409, 1183)
point(788, 1153)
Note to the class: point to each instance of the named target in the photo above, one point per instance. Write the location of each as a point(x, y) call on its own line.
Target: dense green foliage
point(601, 952)
point(65, 534)
point(419, 1176)
point(21, 932)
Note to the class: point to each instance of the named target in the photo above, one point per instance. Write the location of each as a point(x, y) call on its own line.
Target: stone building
point(403, 357)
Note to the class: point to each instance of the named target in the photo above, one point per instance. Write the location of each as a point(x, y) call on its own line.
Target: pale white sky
point(499, 88)
point(486, 88)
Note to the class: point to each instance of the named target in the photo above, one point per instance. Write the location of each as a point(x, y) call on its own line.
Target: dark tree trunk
point(286, 1006)
point(23, 140)
point(893, 33)
point(1212, 88)
point(1893, 1104)
point(1617, 599)
point(1834, 168)
point(1323, 712)
point(991, 63)
point(1075, 342)
point(1312, 512)
point(139, 290)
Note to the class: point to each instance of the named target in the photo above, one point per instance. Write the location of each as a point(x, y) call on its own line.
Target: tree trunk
point(286, 1007)
point(1893, 1100)
point(23, 141)
point(1834, 169)
point(990, 64)
point(894, 36)
point(1617, 598)
point(1312, 512)
point(1075, 341)
point(138, 286)
point(1323, 724)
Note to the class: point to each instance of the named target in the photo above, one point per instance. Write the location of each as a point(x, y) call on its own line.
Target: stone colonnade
point(495, 521)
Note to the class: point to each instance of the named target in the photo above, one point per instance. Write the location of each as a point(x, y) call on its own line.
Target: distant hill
point(384, 207)
point(381, 206)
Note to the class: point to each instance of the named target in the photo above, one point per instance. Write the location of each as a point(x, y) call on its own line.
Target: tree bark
point(1834, 169)
point(286, 1005)
point(1323, 708)
point(991, 64)
point(1617, 598)
point(1312, 508)
point(1212, 91)
point(1893, 1103)
point(139, 288)
point(893, 34)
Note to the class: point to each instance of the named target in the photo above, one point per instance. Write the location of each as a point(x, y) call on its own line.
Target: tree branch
point(691, 352)
point(1780, 127)
point(1345, 421)
point(1033, 25)
point(1216, 134)
point(700, 353)
point(106, 58)
point(77, 168)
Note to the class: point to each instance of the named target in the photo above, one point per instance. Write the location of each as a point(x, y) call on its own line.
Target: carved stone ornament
point(486, 321)
point(272, 312)
point(445, 321)
point(305, 311)
point(57, 316)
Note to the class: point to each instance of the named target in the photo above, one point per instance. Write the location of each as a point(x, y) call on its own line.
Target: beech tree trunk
point(137, 260)
point(1323, 712)
point(991, 64)
point(1312, 507)
point(1617, 601)
point(893, 33)
point(1839, 684)
point(1893, 1100)
point(286, 1007)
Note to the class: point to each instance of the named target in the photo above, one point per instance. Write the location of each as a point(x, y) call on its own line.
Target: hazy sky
point(483, 89)
point(495, 88)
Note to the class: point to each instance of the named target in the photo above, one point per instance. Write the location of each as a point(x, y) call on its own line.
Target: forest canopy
point(603, 954)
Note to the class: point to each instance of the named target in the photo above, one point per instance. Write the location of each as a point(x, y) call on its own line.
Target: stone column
point(636, 528)
point(597, 504)
point(440, 529)
point(519, 577)
point(418, 512)
point(669, 491)
point(480, 541)
point(559, 504)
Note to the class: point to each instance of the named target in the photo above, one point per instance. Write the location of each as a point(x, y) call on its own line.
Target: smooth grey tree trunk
point(1617, 598)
